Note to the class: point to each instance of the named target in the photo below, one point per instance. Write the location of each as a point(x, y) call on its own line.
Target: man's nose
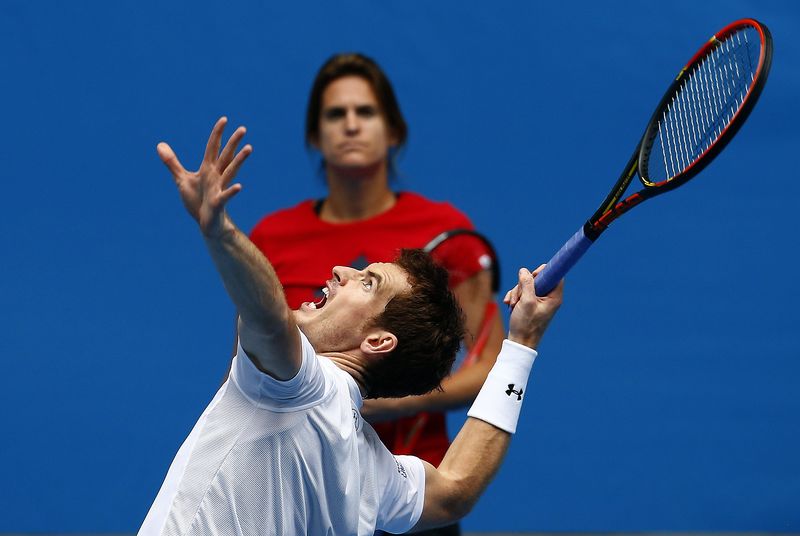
point(344, 273)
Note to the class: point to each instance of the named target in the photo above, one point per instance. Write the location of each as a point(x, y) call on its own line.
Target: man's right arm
point(267, 329)
point(453, 488)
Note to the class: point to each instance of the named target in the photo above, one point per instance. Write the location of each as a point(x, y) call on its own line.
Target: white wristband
point(500, 398)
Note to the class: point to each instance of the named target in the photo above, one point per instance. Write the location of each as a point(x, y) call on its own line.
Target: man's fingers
point(512, 296)
point(525, 287)
point(214, 141)
point(556, 293)
point(228, 193)
point(167, 155)
point(227, 153)
point(507, 298)
point(233, 168)
point(526, 290)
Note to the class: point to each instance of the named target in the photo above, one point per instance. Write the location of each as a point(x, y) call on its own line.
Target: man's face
point(353, 133)
point(338, 322)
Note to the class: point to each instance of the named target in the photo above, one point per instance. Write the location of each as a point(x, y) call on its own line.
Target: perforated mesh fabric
point(258, 466)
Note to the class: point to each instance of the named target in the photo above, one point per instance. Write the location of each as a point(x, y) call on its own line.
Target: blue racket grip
point(561, 263)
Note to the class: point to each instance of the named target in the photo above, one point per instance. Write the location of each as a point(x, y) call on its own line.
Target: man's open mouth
point(321, 303)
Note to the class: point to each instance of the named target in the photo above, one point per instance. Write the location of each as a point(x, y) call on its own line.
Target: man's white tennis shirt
point(286, 457)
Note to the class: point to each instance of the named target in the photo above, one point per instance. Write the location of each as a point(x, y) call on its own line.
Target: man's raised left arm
point(267, 329)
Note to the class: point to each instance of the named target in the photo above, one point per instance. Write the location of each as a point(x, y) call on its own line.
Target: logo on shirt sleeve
point(356, 419)
point(400, 468)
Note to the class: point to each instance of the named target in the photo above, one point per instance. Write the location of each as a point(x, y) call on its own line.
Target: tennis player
point(282, 448)
point(355, 124)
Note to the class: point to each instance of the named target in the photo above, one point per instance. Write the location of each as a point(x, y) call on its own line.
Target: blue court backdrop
point(665, 397)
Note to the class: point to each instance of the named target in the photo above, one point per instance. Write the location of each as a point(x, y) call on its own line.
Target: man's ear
point(379, 342)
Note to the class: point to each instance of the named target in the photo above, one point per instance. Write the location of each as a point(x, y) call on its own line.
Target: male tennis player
point(282, 448)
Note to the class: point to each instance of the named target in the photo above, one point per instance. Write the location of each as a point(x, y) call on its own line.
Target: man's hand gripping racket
point(530, 313)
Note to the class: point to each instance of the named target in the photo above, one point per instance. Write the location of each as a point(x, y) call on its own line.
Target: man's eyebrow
point(378, 277)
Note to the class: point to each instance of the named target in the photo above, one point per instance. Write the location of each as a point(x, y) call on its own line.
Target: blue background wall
point(665, 397)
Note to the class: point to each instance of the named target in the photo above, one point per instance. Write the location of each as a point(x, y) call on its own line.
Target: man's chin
point(304, 323)
point(300, 318)
point(304, 329)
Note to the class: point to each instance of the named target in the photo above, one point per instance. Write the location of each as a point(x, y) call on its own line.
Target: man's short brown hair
point(429, 326)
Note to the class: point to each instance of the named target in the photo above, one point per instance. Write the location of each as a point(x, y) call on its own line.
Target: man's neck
point(352, 365)
point(355, 195)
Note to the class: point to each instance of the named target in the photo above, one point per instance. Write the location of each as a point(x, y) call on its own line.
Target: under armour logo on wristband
point(512, 390)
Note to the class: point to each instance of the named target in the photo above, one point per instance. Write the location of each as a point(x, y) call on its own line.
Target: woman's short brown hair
point(429, 326)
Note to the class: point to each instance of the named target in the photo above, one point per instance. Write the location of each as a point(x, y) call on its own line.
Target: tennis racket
point(699, 114)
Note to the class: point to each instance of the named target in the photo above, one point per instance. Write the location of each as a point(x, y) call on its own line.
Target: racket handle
point(562, 262)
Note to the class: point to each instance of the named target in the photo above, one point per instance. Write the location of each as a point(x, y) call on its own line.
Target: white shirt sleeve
point(404, 493)
point(306, 389)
